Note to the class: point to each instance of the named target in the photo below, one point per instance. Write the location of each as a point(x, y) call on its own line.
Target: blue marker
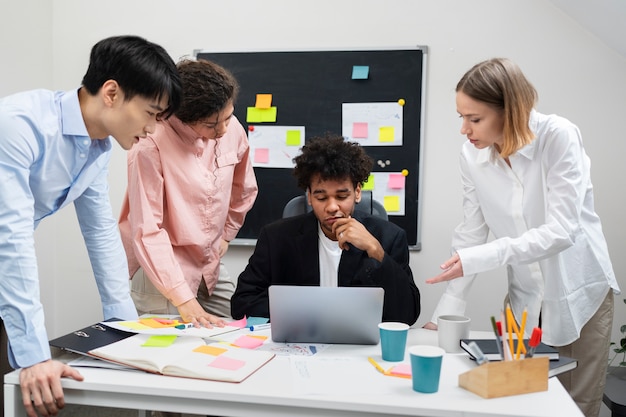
point(259, 327)
point(184, 326)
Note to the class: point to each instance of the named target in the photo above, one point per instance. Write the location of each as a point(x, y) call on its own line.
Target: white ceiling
point(606, 19)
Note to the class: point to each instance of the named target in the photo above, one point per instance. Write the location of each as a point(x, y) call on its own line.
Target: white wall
point(576, 75)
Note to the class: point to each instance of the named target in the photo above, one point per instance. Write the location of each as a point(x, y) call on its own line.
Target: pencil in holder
point(501, 379)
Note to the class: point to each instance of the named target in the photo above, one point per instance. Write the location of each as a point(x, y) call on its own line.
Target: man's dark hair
point(207, 88)
point(141, 68)
point(332, 158)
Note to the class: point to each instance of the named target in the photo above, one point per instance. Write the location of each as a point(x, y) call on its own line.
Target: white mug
point(451, 329)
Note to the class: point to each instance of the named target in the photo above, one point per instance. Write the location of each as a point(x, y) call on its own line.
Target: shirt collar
point(72, 121)
point(187, 135)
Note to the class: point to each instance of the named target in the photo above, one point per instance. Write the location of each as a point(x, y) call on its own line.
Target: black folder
point(92, 337)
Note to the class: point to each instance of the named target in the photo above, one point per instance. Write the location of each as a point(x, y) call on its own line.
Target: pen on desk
point(260, 327)
point(534, 341)
point(376, 365)
point(477, 353)
point(184, 326)
point(497, 332)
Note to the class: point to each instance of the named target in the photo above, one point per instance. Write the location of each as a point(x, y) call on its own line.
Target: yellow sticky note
point(293, 138)
point(386, 134)
point(254, 115)
point(269, 115)
point(134, 325)
point(210, 350)
point(392, 203)
point(159, 340)
point(369, 184)
point(263, 101)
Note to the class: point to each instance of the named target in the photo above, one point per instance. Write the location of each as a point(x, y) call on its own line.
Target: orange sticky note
point(210, 350)
point(263, 101)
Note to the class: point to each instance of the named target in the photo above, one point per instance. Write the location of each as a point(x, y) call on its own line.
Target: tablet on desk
point(308, 314)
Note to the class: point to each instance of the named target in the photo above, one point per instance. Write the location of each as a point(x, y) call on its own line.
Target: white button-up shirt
point(540, 211)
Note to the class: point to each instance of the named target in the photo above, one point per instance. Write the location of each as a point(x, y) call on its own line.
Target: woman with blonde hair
point(526, 179)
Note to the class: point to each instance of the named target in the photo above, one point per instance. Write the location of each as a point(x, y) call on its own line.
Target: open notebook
point(184, 356)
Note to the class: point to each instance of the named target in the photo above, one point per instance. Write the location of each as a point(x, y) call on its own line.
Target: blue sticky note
point(360, 72)
point(253, 321)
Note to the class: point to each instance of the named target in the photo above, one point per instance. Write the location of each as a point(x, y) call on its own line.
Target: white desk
point(271, 392)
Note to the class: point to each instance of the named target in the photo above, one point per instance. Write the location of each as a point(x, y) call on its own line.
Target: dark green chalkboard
point(308, 88)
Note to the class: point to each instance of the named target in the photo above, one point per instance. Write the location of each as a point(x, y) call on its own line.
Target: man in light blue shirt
point(54, 150)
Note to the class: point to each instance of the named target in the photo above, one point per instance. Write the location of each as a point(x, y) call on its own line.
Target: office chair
point(298, 205)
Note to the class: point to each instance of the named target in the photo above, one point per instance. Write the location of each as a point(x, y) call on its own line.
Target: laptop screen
point(308, 314)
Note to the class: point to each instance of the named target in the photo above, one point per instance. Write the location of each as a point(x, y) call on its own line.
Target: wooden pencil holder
point(501, 379)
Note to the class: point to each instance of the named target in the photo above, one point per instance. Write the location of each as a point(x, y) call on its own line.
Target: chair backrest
point(298, 205)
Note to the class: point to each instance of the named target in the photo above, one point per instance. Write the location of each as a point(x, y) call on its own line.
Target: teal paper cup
point(393, 340)
point(426, 367)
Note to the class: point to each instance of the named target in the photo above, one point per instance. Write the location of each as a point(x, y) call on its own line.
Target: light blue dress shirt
point(48, 161)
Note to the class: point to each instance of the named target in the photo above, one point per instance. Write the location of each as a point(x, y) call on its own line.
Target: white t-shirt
point(330, 255)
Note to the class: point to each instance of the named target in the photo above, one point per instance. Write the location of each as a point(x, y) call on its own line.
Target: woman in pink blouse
point(190, 185)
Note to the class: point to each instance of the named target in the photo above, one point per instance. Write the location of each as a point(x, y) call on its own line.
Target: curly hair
point(207, 89)
point(332, 158)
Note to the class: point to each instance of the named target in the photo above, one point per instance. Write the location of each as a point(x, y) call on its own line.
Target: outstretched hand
point(42, 392)
point(452, 269)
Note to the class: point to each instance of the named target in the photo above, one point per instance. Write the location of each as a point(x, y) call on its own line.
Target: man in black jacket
point(333, 245)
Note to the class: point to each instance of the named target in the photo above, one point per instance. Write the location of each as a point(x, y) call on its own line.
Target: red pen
point(534, 341)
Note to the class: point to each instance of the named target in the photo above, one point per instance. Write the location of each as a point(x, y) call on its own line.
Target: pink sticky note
point(227, 363)
point(359, 130)
point(396, 181)
point(248, 342)
point(262, 155)
point(402, 369)
point(241, 323)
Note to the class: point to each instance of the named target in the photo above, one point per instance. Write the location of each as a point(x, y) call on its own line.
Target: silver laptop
point(306, 314)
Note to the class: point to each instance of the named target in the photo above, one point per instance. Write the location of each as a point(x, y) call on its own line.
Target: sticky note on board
point(263, 101)
point(360, 72)
point(396, 181)
point(261, 155)
point(210, 350)
point(369, 184)
point(224, 362)
point(359, 130)
point(293, 138)
point(391, 203)
point(256, 115)
point(386, 134)
point(159, 340)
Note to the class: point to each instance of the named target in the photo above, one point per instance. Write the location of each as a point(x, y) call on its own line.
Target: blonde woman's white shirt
point(540, 211)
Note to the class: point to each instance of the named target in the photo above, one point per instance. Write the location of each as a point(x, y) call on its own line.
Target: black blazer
point(286, 253)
